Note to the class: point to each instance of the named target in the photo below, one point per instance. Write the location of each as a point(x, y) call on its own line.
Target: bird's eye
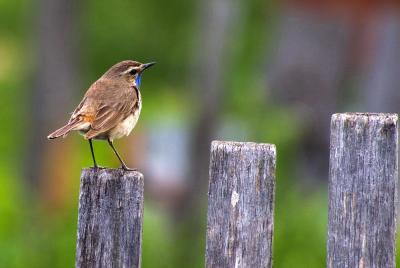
point(133, 71)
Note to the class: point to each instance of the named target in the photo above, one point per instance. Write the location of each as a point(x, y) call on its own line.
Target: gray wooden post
point(110, 218)
point(240, 205)
point(362, 190)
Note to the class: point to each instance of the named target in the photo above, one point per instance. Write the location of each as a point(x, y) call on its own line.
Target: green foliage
point(300, 228)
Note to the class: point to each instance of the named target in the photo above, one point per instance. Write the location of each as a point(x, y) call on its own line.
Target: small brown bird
point(110, 108)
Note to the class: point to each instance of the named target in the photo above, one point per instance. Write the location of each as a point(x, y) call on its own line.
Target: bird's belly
point(83, 128)
point(125, 127)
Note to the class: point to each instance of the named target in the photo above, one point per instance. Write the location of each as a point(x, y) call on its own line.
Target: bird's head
point(129, 70)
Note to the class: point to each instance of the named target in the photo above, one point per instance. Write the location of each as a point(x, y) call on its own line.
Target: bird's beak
point(147, 65)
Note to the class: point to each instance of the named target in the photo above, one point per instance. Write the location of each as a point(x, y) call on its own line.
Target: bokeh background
point(262, 71)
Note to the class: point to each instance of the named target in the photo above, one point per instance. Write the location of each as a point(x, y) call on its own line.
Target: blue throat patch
point(138, 80)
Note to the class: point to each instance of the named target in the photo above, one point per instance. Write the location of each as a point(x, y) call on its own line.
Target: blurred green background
point(262, 71)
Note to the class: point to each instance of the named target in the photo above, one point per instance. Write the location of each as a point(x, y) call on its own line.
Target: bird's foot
point(98, 167)
point(124, 167)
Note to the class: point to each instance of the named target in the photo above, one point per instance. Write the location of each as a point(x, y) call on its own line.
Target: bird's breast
point(125, 127)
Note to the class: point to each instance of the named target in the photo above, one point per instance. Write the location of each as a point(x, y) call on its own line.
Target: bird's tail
point(65, 129)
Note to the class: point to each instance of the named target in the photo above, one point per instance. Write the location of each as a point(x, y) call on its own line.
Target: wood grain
point(241, 205)
point(362, 190)
point(110, 218)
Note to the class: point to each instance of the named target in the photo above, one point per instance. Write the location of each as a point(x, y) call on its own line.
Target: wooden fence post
point(110, 218)
point(362, 190)
point(240, 205)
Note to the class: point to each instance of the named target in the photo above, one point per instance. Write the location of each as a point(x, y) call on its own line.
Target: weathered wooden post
point(240, 205)
point(110, 218)
point(362, 190)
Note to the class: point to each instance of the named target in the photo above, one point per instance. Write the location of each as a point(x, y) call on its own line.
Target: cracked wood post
point(110, 218)
point(240, 205)
point(362, 190)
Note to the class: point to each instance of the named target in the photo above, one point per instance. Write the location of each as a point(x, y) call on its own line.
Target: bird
point(110, 108)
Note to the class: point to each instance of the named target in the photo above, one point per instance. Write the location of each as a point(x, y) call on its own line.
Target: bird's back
point(107, 103)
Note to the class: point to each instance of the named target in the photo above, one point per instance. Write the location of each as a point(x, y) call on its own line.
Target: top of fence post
point(362, 190)
point(240, 205)
point(110, 218)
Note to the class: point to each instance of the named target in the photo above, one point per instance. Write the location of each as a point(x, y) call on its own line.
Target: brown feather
point(108, 101)
point(63, 131)
point(112, 105)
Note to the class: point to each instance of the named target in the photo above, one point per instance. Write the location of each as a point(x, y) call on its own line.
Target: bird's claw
point(128, 169)
point(98, 167)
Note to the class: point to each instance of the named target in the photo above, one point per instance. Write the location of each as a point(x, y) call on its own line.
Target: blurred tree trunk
point(54, 84)
point(381, 83)
point(309, 65)
point(217, 21)
point(212, 56)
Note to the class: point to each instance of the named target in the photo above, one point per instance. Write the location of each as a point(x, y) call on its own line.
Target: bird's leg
point(91, 149)
point(124, 166)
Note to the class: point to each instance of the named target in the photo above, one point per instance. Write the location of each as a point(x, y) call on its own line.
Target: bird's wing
point(80, 111)
point(107, 118)
point(112, 106)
